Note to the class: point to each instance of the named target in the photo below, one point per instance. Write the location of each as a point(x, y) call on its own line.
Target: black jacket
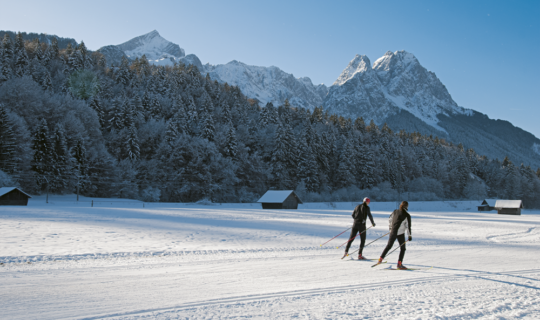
point(396, 222)
point(361, 213)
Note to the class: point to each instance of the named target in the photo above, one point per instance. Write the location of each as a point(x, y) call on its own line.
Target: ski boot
point(400, 266)
point(346, 254)
point(361, 257)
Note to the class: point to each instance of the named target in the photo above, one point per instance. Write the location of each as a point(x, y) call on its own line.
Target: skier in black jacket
point(360, 215)
point(400, 221)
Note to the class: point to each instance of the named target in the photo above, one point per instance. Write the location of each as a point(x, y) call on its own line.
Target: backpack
point(390, 220)
point(356, 212)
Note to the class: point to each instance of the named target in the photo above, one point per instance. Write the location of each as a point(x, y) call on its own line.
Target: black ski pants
point(357, 227)
point(401, 239)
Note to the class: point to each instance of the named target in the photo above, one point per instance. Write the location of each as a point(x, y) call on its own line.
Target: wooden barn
point(279, 199)
point(509, 206)
point(12, 196)
point(487, 205)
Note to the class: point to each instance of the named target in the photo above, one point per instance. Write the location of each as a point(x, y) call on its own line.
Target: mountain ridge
point(396, 89)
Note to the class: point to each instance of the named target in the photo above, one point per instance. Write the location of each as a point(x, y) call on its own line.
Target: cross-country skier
point(360, 215)
point(400, 221)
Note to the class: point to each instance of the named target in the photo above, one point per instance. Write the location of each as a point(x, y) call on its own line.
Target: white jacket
point(402, 228)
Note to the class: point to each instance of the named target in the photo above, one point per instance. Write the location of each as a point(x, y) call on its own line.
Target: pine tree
point(19, 43)
point(60, 164)
point(117, 116)
point(5, 72)
point(208, 131)
point(346, 168)
point(46, 82)
point(172, 131)
point(69, 49)
point(21, 63)
point(76, 61)
point(7, 45)
point(132, 144)
point(38, 53)
point(55, 51)
point(366, 167)
point(284, 158)
point(360, 125)
point(155, 109)
point(308, 168)
point(80, 164)
point(231, 145)
point(7, 143)
point(42, 161)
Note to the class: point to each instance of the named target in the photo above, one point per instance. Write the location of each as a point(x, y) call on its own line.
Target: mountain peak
point(157, 49)
point(393, 59)
point(359, 64)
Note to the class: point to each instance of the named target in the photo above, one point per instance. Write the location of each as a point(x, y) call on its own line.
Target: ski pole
point(336, 236)
point(397, 248)
point(378, 263)
point(384, 235)
point(354, 237)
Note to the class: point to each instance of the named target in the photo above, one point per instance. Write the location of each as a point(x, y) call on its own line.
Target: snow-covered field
point(120, 260)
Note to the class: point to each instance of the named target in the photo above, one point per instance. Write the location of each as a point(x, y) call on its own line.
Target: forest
point(69, 122)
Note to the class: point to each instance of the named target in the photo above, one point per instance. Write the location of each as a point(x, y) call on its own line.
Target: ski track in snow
point(224, 262)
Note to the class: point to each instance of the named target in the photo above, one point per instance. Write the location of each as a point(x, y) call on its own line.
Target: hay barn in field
point(279, 199)
point(13, 196)
point(509, 206)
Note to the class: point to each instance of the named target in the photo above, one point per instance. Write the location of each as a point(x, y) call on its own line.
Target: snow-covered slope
point(269, 84)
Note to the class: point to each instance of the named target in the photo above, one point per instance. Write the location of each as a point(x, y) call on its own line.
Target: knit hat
point(366, 199)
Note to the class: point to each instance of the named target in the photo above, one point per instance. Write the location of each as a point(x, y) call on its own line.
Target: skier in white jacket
point(400, 222)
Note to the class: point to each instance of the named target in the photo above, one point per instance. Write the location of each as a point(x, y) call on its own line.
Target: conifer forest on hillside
point(69, 121)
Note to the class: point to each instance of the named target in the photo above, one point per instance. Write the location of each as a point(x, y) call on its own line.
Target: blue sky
point(487, 53)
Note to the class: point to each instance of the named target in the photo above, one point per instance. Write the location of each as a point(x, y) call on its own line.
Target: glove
point(373, 225)
point(410, 238)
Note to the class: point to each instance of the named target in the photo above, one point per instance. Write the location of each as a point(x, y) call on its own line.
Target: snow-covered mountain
point(399, 91)
point(266, 84)
point(269, 84)
point(157, 50)
point(395, 82)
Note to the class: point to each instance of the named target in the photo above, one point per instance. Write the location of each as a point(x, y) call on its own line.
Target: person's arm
point(370, 217)
point(409, 225)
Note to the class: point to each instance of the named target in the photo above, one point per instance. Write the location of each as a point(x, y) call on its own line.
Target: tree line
point(136, 130)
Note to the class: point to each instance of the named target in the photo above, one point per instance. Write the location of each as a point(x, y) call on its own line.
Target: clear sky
point(487, 53)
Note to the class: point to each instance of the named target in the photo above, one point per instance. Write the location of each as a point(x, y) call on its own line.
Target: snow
point(516, 204)
point(158, 50)
point(536, 148)
point(123, 259)
point(275, 196)
point(5, 190)
point(359, 64)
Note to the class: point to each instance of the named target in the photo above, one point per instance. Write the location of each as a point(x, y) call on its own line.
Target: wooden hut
point(12, 196)
point(279, 199)
point(487, 205)
point(509, 206)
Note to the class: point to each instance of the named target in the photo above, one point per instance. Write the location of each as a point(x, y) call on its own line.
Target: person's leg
point(362, 230)
point(354, 231)
point(401, 240)
point(391, 241)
